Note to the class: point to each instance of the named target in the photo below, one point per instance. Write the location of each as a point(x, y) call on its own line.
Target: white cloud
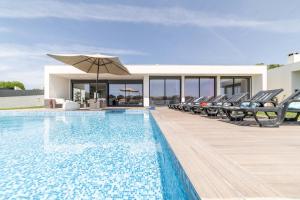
point(25, 62)
point(86, 11)
point(37, 50)
point(32, 9)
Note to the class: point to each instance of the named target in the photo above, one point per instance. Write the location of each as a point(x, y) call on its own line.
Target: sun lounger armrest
point(294, 100)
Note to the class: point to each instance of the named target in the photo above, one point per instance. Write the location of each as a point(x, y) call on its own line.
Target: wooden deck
point(230, 161)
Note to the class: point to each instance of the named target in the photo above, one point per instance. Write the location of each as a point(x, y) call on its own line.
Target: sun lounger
point(213, 101)
point(176, 105)
point(238, 113)
point(234, 100)
point(290, 104)
point(196, 102)
point(180, 106)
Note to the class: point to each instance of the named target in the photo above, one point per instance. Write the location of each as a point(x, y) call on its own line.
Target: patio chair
point(196, 102)
point(234, 100)
point(290, 104)
point(175, 105)
point(213, 101)
point(180, 106)
point(260, 99)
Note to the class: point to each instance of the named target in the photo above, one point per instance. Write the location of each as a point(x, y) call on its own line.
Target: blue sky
point(145, 32)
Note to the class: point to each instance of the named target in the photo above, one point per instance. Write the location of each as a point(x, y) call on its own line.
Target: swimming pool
point(87, 155)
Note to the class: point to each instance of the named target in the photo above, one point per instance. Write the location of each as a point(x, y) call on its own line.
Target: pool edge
point(184, 178)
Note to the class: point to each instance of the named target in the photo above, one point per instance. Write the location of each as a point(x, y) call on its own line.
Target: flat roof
point(178, 70)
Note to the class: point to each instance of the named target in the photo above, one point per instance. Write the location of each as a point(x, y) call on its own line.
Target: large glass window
point(199, 86)
point(235, 85)
point(81, 92)
point(116, 95)
point(164, 91)
point(241, 85)
point(227, 86)
point(125, 94)
point(121, 93)
point(102, 90)
point(191, 88)
point(157, 92)
point(134, 94)
point(207, 87)
point(172, 91)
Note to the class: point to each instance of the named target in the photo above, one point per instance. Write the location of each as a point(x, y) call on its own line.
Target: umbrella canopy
point(95, 63)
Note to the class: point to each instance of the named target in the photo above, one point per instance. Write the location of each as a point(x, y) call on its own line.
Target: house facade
point(286, 77)
point(154, 85)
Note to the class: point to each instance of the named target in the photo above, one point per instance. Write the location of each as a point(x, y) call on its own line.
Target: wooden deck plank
point(227, 161)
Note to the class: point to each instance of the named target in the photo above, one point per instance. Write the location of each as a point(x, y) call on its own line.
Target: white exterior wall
point(59, 87)
point(295, 80)
point(21, 101)
point(182, 89)
point(257, 84)
point(146, 91)
point(286, 77)
point(218, 85)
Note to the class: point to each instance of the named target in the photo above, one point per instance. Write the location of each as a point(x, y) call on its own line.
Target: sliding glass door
point(116, 95)
point(199, 86)
point(235, 85)
point(81, 92)
point(125, 94)
point(116, 92)
point(164, 90)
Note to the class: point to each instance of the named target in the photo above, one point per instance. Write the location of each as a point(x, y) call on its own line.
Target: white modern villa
point(154, 85)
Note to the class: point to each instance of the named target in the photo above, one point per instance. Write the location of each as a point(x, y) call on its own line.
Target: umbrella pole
point(97, 82)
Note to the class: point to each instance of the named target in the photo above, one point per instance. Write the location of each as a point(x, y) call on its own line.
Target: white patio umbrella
point(94, 63)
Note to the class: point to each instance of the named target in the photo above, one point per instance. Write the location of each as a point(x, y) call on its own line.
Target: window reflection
point(226, 86)
point(120, 93)
point(134, 94)
point(207, 86)
point(164, 91)
point(172, 91)
point(116, 95)
point(199, 86)
point(230, 86)
point(241, 85)
point(157, 92)
point(126, 94)
point(81, 92)
point(191, 88)
point(102, 90)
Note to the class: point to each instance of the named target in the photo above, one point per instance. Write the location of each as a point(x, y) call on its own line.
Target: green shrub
point(11, 84)
point(272, 66)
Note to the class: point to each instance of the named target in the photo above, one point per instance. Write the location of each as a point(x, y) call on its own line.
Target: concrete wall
point(258, 84)
point(21, 101)
point(146, 91)
point(296, 80)
point(58, 87)
point(286, 77)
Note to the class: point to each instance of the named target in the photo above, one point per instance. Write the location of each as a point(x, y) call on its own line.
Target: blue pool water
point(87, 155)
